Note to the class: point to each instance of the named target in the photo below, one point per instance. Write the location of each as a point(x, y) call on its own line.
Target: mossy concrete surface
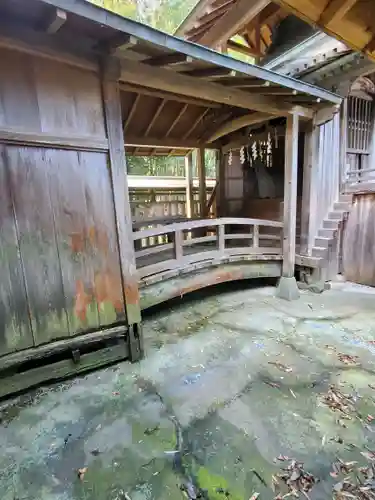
point(229, 383)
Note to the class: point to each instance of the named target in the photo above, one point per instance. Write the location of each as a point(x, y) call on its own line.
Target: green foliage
point(164, 15)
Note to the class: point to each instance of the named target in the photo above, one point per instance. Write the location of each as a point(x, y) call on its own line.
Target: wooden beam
point(162, 79)
point(335, 10)
point(117, 169)
point(238, 123)
point(176, 120)
point(131, 112)
point(119, 43)
point(201, 167)
point(204, 21)
point(189, 186)
point(243, 49)
point(168, 60)
point(220, 176)
point(213, 72)
point(168, 143)
point(41, 139)
point(271, 91)
point(232, 22)
point(155, 117)
point(57, 20)
point(290, 196)
point(167, 95)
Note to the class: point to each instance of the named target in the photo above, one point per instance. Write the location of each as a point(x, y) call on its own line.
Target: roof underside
point(352, 21)
point(174, 93)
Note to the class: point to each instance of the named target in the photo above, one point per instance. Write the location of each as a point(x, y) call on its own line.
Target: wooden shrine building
point(80, 88)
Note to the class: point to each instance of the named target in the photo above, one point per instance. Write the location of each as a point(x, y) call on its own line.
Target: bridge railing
point(206, 241)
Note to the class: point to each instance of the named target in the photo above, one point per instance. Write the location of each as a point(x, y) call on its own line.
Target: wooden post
point(343, 143)
point(117, 168)
point(202, 183)
point(220, 176)
point(309, 198)
point(287, 288)
point(189, 186)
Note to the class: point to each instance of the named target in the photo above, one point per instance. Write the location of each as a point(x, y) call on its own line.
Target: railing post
point(189, 186)
point(255, 236)
point(202, 182)
point(287, 288)
point(178, 244)
point(221, 238)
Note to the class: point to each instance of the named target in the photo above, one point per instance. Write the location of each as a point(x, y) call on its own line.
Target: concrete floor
point(207, 412)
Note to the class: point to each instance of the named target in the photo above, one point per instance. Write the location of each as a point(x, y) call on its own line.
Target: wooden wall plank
point(39, 252)
point(15, 326)
point(108, 288)
point(18, 99)
point(69, 99)
point(67, 183)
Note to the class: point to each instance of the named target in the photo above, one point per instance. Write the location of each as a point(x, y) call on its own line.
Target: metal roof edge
point(102, 16)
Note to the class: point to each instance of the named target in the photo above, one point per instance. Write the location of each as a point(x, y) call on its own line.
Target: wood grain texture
point(117, 168)
point(40, 95)
point(38, 246)
point(15, 326)
point(290, 195)
point(359, 241)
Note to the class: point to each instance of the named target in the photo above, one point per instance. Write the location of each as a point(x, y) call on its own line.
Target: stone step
point(327, 233)
point(322, 242)
point(336, 215)
point(342, 206)
point(330, 224)
point(348, 198)
point(319, 252)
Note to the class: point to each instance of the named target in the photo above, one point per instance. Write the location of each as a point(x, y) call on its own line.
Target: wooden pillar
point(202, 182)
point(117, 168)
point(220, 176)
point(287, 288)
point(343, 143)
point(189, 185)
point(309, 195)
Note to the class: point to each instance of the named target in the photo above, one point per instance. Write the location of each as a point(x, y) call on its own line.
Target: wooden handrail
point(194, 224)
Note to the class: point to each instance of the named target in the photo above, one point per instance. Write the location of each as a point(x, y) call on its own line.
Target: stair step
point(319, 252)
point(336, 215)
point(330, 224)
point(348, 198)
point(327, 233)
point(322, 242)
point(342, 205)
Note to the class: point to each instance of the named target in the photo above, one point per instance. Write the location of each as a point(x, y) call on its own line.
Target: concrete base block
point(287, 289)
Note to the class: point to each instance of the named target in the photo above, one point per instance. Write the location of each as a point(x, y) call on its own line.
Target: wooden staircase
point(327, 234)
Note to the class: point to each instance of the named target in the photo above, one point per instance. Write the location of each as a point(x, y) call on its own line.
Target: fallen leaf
point(81, 473)
point(254, 496)
point(115, 393)
point(292, 393)
point(370, 418)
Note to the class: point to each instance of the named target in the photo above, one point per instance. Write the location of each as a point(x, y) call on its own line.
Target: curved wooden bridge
point(178, 258)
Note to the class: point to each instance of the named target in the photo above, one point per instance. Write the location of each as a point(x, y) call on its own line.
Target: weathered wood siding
point(326, 173)
point(59, 259)
point(359, 241)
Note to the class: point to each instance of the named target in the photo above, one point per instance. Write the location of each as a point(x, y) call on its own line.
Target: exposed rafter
point(131, 112)
point(156, 142)
point(232, 21)
point(176, 120)
point(335, 10)
point(168, 60)
point(210, 73)
point(56, 21)
point(196, 122)
point(155, 117)
point(162, 79)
